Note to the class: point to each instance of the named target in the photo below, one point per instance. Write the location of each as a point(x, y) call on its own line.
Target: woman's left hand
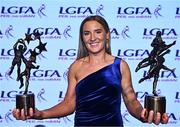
point(154, 118)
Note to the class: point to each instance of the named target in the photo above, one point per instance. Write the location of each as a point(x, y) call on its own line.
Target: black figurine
point(155, 70)
point(29, 64)
point(155, 60)
point(159, 47)
point(19, 49)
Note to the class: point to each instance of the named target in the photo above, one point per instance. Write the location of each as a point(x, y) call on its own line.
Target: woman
point(96, 81)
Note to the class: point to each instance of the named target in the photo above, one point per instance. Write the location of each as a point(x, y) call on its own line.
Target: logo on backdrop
point(80, 12)
point(99, 10)
point(40, 95)
point(9, 96)
point(22, 11)
point(177, 56)
point(133, 54)
point(117, 34)
point(8, 54)
point(177, 15)
point(177, 97)
point(41, 11)
point(40, 75)
point(1, 118)
point(164, 76)
point(45, 75)
point(126, 116)
point(8, 116)
point(1, 76)
point(61, 96)
point(140, 95)
point(167, 33)
point(66, 32)
point(65, 119)
point(174, 118)
point(67, 54)
point(8, 32)
point(52, 32)
point(157, 11)
point(139, 12)
point(65, 74)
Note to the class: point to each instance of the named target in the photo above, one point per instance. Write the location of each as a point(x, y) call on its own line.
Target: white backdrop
point(133, 25)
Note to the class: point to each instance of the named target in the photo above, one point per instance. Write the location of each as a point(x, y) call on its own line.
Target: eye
point(98, 31)
point(86, 33)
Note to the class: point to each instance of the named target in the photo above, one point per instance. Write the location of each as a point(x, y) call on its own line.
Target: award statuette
point(26, 99)
point(155, 61)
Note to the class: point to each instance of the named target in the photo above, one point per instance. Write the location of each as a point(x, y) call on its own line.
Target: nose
point(93, 37)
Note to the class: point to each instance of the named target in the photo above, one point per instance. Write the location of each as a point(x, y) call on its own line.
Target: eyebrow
point(94, 30)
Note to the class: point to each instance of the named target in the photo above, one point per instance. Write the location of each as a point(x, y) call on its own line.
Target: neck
point(98, 58)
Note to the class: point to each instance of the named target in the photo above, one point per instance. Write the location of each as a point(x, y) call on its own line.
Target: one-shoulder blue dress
point(98, 97)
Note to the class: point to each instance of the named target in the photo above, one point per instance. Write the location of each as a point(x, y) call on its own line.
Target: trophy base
point(155, 103)
point(25, 101)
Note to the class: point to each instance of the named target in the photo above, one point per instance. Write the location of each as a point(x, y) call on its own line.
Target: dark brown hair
point(82, 50)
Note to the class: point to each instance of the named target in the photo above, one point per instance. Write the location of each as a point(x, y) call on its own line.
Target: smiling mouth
point(93, 43)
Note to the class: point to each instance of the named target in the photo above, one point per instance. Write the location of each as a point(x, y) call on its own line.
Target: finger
point(16, 113)
point(144, 115)
point(165, 118)
point(23, 117)
point(31, 112)
point(150, 117)
point(157, 118)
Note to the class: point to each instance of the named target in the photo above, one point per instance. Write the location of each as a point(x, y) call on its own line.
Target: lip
point(93, 44)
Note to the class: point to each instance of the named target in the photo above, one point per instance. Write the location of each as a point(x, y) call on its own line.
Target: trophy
point(155, 61)
point(26, 99)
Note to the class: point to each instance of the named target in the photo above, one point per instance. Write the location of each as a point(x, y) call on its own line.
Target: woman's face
point(94, 37)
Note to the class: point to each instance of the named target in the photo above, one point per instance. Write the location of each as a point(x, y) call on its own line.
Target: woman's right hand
point(19, 114)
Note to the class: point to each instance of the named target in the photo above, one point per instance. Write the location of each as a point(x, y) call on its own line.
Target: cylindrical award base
point(25, 101)
point(155, 103)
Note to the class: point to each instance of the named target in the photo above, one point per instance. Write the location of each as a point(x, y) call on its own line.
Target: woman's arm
point(64, 108)
point(133, 105)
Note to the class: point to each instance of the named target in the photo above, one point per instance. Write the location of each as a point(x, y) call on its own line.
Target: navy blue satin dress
point(98, 97)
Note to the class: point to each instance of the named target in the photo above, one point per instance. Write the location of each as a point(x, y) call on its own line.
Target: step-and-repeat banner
point(133, 26)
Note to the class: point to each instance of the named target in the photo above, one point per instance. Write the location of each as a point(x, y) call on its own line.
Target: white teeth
point(93, 43)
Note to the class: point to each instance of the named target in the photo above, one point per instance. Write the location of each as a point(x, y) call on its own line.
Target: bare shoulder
point(124, 66)
point(124, 63)
point(126, 76)
point(75, 66)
